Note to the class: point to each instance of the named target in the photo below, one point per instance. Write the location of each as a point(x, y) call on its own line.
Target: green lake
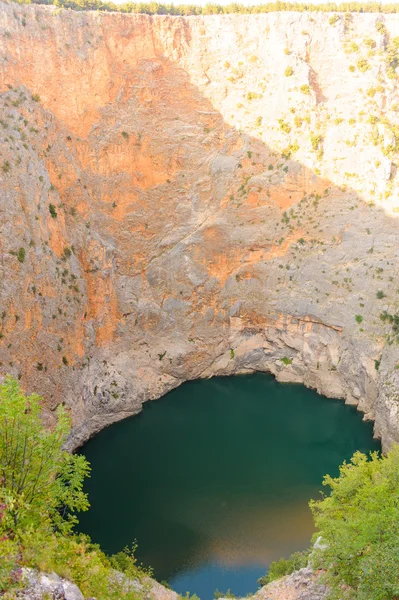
point(213, 480)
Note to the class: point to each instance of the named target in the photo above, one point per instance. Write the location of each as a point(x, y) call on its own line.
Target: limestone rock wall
point(184, 197)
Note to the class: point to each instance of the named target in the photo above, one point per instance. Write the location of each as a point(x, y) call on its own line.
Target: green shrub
point(363, 65)
point(40, 495)
point(333, 19)
point(21, 255)
point(380, 294)
point(380, 27)
point(316, 140)
point(358, 523)
point(217, 594)
point(290, 150)
point(353, 47)
point(6, 166)
point(286, 360)
point(52, 211)
point(305, 89)
point(36, 472)
point(67, 253)
point(284, 126)
point(36, 97)
point(358, 318)
point(285, 566)
point(369, 43)
point(289, 71)
point(253, 96)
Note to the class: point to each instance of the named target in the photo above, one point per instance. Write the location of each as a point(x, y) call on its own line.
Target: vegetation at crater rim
point(154, 8)
point(42, 490)
point(357, 523)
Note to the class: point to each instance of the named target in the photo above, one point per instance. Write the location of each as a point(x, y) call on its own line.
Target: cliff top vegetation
point(41, 491)
point(155, 8)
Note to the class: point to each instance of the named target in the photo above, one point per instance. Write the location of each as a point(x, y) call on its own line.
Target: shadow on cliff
point(207, 217)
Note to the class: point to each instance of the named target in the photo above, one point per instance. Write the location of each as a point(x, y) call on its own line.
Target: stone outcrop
point(188, 197)
point(303, 584)
point(49, 586)
point(41, 586)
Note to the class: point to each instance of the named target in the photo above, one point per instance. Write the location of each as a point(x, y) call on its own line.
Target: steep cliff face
point(184, 197)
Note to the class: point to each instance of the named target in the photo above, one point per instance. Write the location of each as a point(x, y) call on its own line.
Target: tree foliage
point(41, 492)
point(36, 474)
point(359, 526)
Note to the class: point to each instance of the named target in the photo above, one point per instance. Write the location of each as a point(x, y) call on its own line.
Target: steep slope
point(184, 197)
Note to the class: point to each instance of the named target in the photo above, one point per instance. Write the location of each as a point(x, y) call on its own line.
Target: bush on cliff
point(358, 523)
point(41, 490)
point(359, 526)
point(285, 566)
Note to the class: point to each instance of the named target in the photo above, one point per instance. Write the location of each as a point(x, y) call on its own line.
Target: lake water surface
point(213, 480)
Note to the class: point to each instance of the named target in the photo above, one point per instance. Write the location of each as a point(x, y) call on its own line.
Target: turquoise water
point(213, 480)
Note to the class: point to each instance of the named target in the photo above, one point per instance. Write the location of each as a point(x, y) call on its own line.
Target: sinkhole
point(213, 480)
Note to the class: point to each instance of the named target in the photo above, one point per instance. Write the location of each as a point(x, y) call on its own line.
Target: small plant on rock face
point(217, 594)
point(363, 65)
point(66, 253)
point(36, 97)
point(253, 96)
point(291, 149)
point(285, 566)
point(21, 255)
point(286, 360)
point(380, 294)
point(284, 126)
point(52, 211)
point(333, 19)
point(289, 71)
point(6, 166)
point(305, 89)
point(358, 318)
point(380, 27)
point(316, 140)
